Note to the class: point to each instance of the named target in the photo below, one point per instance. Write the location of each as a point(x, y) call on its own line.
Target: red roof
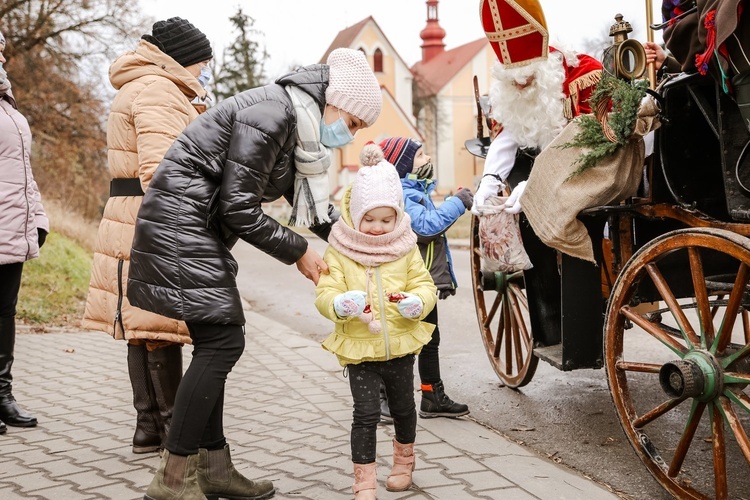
point(435, 74)
point(345, 38)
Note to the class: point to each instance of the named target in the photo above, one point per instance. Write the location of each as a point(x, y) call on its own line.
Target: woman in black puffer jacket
point(207, 192)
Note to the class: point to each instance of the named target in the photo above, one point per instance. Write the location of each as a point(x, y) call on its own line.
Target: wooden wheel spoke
point(662, 286)
point(733, 307)
point(657, 412)
point(501, 323)
point(740, 399)
point(736, 426)
point(637, 367)
point(525, 338)
point(493, 310)
point(696, 413)
point(720, 453)
point(654, 330)
point(701, 297)
point(714, 310)
point(511, 326)
point(741, 354)
point(736, 378)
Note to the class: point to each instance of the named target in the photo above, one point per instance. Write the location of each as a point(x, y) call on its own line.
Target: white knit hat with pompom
point(377, 185)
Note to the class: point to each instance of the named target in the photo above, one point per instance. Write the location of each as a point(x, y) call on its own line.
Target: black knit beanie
point(180, 40)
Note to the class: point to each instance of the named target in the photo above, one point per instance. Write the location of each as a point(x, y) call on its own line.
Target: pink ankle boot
point(365, 481)
point(403, 465)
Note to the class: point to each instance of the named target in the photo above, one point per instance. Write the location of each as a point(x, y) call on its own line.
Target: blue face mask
point(205, 76)
point(335, 135)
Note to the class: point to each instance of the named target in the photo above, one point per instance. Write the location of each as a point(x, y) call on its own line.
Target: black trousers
point(428, 361)
point(364, 380)
point(10, 284)
point(197, 418)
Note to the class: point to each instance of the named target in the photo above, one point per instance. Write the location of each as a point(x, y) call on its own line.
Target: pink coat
point(21, 211)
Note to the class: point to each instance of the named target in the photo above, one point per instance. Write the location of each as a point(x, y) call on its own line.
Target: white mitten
point(411, 306)
point(489, 186)
point(351, 303)
point(513, 203)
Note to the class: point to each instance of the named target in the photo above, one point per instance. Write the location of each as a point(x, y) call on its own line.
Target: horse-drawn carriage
point(670, 292)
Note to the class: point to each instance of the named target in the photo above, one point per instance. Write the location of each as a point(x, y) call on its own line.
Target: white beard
point(532, 115)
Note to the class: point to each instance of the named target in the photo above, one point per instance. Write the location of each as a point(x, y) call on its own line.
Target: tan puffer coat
point(152, 107)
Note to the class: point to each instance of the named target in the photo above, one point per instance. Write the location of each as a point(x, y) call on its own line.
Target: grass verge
point(54, 286)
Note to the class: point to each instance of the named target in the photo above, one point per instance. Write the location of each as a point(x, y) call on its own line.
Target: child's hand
point(351, 303)
point(411, 306)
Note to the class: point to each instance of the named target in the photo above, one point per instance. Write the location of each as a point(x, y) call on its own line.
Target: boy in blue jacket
point(430, 224)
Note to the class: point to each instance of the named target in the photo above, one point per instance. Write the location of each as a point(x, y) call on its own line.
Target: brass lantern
point(625, 59)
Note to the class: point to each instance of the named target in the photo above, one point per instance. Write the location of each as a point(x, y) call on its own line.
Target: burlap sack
point(552, 204)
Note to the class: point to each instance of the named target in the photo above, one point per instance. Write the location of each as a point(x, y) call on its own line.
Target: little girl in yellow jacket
point(377, 292)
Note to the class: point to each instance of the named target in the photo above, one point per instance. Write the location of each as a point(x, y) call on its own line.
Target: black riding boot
point(147, 437)
point(165, 366)
point(10, 413)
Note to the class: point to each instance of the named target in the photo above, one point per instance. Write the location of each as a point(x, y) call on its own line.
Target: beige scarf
point(372, 251)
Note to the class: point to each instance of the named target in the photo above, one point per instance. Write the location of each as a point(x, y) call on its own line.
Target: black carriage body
point(699, 167)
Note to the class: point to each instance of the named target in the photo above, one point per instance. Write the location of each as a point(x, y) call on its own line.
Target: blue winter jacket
point(430, 223)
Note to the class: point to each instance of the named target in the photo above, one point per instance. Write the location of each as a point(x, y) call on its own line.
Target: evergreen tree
point(242, 62)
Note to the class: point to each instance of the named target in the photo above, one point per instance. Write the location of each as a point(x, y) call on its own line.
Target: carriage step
point(551, 354)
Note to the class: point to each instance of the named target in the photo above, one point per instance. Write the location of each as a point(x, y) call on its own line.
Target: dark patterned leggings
point(364, 379)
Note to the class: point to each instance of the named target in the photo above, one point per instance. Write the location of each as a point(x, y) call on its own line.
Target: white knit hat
point(352, 85)
point(377, 185)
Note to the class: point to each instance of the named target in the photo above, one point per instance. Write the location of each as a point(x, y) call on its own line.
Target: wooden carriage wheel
point(502, 312)
point(680, 379)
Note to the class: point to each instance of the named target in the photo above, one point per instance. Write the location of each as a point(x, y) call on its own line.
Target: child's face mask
point(426, 171)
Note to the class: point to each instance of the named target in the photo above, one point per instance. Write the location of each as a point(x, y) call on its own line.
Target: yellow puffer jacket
point(152, 107)
point(351, 340)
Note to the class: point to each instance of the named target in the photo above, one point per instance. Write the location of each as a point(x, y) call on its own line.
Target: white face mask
point(205, 76)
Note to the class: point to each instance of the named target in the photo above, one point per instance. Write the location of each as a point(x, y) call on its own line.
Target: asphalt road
point(566, 416)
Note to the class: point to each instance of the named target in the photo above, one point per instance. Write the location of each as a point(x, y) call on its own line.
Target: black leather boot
point(147, 436)
point(165, 368)
point(10, 413)
point(435, 403)
point(3, 428)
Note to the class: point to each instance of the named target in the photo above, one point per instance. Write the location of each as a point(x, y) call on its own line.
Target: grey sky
point(299, 31)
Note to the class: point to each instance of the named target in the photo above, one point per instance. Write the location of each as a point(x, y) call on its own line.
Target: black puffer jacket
point(207, 191)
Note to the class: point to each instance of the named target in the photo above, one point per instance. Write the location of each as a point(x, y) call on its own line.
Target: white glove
point(351, 303)
point(411, 306)
point(513, 203)
point(488, 187)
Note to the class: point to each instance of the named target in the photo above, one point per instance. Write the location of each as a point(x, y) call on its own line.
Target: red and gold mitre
point(516, 30)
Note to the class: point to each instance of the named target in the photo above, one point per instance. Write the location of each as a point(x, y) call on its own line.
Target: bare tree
point(49, 42)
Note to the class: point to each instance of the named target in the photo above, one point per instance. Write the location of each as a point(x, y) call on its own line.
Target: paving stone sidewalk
point(287, 418)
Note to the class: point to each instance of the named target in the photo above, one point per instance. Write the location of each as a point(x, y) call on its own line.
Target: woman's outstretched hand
point(311, 265)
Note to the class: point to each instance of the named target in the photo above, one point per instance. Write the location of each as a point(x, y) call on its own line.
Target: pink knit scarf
point(369, 250)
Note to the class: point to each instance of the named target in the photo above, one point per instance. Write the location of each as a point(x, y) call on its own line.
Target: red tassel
point(701, 60)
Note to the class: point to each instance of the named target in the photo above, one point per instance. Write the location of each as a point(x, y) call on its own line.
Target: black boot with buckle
point(435, 403)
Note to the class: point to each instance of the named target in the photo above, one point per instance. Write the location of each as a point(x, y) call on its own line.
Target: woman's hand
point(311, 265)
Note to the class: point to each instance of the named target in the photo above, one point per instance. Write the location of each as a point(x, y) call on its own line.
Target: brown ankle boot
point(175, 479)
point(403, 465)
point(218, 478)
point(365, 481)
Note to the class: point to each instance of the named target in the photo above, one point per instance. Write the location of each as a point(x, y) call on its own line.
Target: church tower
point(432, 35)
